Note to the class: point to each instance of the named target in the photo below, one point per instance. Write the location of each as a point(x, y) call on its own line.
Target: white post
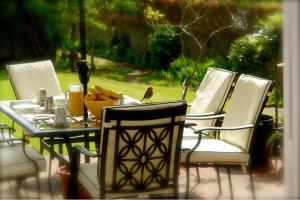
point(291, 55)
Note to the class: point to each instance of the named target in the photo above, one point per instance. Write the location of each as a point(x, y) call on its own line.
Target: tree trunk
point(73, 57)
point(92, 46)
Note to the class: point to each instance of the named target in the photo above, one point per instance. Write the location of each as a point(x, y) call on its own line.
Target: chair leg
point(219, 181)
point(230, 183)
point(38, 185)
point(187, 185)
point(49, 170)
point(18, 188)
point(251, 183)
point(61, 151)
point(198, 174)
point(41, 146)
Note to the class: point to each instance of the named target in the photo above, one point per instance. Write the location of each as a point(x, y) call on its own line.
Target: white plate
point(43, 116)
point(26, 107)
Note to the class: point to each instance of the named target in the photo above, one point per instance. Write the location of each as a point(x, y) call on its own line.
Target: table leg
point(97, 140)
point(87, 146)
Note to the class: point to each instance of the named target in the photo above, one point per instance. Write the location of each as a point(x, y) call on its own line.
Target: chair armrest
point(202, 115)
point(226, 128)
point(205, 117)
point(84, 151)
point(4, 126)
point(188, 124)
point(11, 140)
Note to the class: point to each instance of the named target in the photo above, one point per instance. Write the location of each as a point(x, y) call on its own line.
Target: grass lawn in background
point(108, 75)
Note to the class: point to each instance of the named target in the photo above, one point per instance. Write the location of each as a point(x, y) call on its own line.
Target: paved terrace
point(268, 182)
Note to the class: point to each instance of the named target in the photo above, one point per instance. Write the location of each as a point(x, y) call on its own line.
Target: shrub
point(163, 47)
point(180, 67)
point(272, 98)
point(252, 53)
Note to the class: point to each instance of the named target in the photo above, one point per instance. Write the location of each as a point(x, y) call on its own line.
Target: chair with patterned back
point(139, 151)
point(233, 145)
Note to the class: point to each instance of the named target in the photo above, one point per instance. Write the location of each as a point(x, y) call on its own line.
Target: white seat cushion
point(13, 162)
point(212, 150)
point(244, 108)
point(87, 176)
point(27, 78)
point(211, 94)
point(188, 133)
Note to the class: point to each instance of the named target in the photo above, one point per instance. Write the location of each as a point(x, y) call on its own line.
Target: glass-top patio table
point(40, 124)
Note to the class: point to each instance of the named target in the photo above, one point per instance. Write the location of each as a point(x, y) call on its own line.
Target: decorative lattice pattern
point(143, 157)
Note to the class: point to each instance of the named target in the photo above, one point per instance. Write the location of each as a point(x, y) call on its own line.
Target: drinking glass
point(75, 98)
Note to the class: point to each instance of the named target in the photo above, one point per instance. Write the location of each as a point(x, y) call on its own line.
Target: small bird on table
point(148, 94)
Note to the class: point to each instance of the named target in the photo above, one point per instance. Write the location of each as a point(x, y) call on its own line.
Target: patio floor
point(268, 182)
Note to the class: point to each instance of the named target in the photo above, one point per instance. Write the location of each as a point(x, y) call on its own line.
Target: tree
point(31, 29)
point(193, 13)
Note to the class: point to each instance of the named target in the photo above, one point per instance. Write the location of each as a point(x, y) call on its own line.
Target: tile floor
point(268, 181)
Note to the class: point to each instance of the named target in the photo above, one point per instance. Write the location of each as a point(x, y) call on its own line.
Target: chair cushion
point(27, 78)
point(244, 108)
point(188, 133)
point(211, 94)
point(87, 176)
point(14, 163)
point(212, 150)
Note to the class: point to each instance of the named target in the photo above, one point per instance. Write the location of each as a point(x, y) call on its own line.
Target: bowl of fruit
point(98, 98)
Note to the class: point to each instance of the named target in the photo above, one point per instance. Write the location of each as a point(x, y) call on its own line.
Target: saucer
point(43, 116)
point(28, 107)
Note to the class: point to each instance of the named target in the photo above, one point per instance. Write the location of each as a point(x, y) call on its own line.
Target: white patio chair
point(18, 162)
point(139, 152)
point(27, 78)
point(235, 135)
point(209, 99)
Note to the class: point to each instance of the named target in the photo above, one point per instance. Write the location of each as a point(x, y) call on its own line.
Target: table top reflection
point(40, 123)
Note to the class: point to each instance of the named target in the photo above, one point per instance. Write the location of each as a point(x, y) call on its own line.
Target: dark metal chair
point(139, 152)
point(233, 145)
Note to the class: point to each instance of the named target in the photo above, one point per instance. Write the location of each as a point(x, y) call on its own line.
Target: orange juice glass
point(75, 100)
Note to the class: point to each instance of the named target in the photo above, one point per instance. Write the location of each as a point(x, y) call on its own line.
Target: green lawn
point(108, 75)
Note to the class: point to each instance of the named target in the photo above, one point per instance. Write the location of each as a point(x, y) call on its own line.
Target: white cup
point(61, 116)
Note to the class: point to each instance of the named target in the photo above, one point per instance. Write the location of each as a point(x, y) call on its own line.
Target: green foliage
point(276, 139)
point(272, 98)
point(252, 52)
point(163, 46)
point(63, 61)
point(130, 7)
point(30, 29)
point(119, 50)
point(180, 67)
